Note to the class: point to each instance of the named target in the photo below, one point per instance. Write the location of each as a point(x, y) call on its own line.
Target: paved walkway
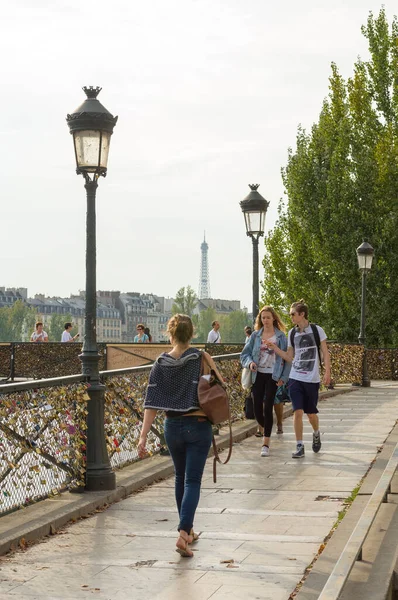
point(261, 524)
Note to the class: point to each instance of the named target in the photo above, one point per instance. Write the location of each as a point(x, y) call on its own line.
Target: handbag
point(282, 394)
point(249, 408)
point(212, 395)
point(214, 401)
point(246, 378)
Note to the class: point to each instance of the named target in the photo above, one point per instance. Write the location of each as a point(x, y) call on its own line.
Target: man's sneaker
point(316, 442)
point(299, 451)
point(265, 451)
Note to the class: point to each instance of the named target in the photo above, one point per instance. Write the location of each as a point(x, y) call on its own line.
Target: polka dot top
point(173, 383)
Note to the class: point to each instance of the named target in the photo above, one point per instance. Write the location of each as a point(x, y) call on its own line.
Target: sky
point(209, 95)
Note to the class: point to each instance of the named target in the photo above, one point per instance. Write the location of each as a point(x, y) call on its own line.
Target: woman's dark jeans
point(188, 439)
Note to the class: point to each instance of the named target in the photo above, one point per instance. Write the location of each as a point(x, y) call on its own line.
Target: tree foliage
point(57, 326)
point(185, 301)
point(342, 188)
point(231, 329)
point(16, 321)
point(202, 323)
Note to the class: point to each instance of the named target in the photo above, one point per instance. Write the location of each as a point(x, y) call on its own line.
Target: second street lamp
point(254, 208)
point(92, 126)
point(365, 254)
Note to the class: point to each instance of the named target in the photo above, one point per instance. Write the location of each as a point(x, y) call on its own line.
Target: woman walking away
point(268, 369)
point(173, 388)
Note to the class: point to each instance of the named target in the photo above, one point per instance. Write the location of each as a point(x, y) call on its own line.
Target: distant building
point(10, 295)
point(222, 307)
point(108, 324)
point(153, 311)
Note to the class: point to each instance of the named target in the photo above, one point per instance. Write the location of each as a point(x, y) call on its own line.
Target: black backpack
point(316, 336)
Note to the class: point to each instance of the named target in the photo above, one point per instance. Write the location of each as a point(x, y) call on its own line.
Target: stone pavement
point(260, 525)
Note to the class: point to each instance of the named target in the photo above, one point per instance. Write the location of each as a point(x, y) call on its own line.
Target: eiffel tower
point(204, 279)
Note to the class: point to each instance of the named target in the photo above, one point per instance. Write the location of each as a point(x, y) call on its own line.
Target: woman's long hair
point(277, 321)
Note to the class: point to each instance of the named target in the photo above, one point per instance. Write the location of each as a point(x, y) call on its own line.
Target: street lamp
point(254, 208)
point(92, 126)
point(365, 254)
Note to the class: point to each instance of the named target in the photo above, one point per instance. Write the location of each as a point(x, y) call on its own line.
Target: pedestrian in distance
point(248, 331)
point(268, 369)
point(39, 335)
point(306, 346)
point(141, 337)
point(173, 389)
point(66, 335)
point(214, 336)
point(148, 333)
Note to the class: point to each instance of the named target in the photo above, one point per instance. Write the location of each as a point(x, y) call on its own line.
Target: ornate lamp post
point(365, 254)
point(92, 126)
point(254, 208)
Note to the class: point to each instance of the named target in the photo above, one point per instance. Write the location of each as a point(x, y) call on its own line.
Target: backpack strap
point(216, 458)
point(315, 332)
point(317, 340)
point(292, 334)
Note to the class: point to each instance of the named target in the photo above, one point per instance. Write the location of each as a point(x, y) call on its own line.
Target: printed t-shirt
point(267, 357)
point(305, 365)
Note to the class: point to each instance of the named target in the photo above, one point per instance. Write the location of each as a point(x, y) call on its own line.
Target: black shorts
point(304, 396)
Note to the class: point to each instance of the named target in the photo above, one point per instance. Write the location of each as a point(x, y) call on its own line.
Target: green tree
point(203, 324)
point(57, 326)
point(14, 319)
point(342, 188)
point(185, 301)
point(232, 327)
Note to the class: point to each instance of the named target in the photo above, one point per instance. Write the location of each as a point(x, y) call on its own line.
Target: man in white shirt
point(309, 343)
point(214, 336)
point(66, 336)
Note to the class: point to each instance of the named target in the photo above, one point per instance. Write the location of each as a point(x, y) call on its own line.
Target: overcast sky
point(209, 94)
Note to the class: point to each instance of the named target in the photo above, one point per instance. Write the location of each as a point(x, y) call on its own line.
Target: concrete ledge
point(371, 577)
point(325, 563)
point(47, 516)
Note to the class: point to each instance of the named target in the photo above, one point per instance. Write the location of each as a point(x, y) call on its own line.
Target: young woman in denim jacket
point(268, 369)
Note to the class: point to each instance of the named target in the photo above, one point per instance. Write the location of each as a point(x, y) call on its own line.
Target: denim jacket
point(251, 353)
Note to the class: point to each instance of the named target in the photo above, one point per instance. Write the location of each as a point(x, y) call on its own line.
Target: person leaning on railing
point(66, 335)
point(173, 388)
point(39, 335)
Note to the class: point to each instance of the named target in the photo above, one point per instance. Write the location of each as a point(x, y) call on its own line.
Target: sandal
point(194, 536)
point(182, 545)
point(279, 430)
point(258, 433)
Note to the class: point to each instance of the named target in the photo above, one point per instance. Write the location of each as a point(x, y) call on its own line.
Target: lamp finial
point(91, 91)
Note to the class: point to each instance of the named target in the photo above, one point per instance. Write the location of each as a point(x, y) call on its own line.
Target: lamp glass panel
point(106, 139)
point(87, 147)
point(255, 221)
point(365, 261)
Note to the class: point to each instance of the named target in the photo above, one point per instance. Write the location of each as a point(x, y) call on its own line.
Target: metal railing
point(24, 360)
point(43, 429)
point(353, 548)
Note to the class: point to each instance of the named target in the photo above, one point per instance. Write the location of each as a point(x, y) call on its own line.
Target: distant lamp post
point(365, 254)
point(254, 208)
point(91, 126)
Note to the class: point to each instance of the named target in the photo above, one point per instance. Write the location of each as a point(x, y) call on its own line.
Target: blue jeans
point(188, 439)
